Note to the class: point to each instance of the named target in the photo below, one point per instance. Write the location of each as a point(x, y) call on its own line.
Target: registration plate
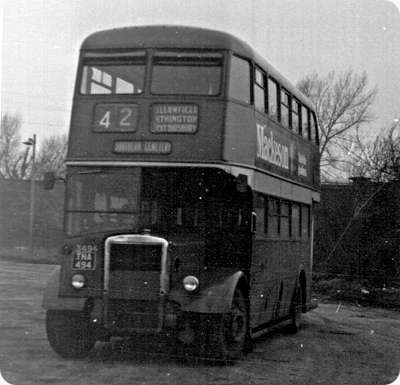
point(84, 257)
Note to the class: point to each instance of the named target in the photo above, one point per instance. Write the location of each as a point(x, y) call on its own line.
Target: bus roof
point(183, 37)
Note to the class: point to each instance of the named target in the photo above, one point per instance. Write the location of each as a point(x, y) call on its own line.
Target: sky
point(41, 40)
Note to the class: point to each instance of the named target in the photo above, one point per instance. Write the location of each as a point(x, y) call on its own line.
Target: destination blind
point(174, 118)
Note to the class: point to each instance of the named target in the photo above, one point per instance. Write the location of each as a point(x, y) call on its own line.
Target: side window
point(295, 117)
point(239, 79)
point(296, 221)
point(285, 219)
point(259, 90)
point(305, 126)
point(273, 213)
point(314, 131)
point(273, 98)
point(259, 209)
point(305, 222)
point(285, 108)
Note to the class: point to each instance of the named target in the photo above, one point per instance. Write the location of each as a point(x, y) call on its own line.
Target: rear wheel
point(229, 332)
point(69, 333)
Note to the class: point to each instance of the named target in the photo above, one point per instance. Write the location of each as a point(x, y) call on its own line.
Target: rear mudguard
point(215, 297)
point(51, 300)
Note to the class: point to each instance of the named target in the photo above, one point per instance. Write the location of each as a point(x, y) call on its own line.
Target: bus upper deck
point(185, 95)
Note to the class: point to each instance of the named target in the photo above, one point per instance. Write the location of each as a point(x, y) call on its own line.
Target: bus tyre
point(69, 333)
point(296, 310)
point(229, 332)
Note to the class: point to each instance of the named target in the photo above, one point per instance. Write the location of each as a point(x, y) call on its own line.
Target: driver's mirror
point(49, 180)
point(241, 183)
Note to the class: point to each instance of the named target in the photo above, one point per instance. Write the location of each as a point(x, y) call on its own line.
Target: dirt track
point(337, 345)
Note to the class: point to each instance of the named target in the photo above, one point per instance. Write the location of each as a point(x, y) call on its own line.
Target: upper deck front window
point(186, 73)
point(113, 73)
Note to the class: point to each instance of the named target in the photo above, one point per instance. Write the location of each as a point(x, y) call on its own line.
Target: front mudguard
point(51, 300)
point(216, 296)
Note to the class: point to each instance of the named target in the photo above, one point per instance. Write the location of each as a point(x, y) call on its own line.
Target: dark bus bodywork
point(171, 188)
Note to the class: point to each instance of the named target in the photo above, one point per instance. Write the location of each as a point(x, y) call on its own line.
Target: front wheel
point(69, 333)
point(229, 332)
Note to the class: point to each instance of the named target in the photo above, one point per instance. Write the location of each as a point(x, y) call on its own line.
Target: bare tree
point(342, 103)
point(52, 154)
point(14, 162)
point(377, 159)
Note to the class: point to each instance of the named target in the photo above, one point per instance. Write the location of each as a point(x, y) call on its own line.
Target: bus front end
point(147, 252)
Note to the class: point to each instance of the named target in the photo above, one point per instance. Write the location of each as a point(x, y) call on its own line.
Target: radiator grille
point(132, 257)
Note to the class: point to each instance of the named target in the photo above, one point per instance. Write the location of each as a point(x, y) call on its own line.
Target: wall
point(357, 231)
point(14, 214)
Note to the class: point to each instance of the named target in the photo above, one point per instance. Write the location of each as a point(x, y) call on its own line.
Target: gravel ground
point(338, 344)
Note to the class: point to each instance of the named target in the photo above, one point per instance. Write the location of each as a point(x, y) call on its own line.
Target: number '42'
point(123, 119)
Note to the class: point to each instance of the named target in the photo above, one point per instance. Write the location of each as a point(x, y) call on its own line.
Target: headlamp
point(190, 283)
point(78, 281)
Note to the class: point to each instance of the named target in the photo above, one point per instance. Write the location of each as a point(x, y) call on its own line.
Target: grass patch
point(336, 288)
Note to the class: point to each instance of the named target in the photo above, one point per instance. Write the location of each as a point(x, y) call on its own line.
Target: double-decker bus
point(191, 176)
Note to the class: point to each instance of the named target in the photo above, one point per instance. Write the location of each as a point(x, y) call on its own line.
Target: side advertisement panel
point(283, 153)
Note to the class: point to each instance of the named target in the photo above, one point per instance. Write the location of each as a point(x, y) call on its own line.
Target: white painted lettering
point(271, 150)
